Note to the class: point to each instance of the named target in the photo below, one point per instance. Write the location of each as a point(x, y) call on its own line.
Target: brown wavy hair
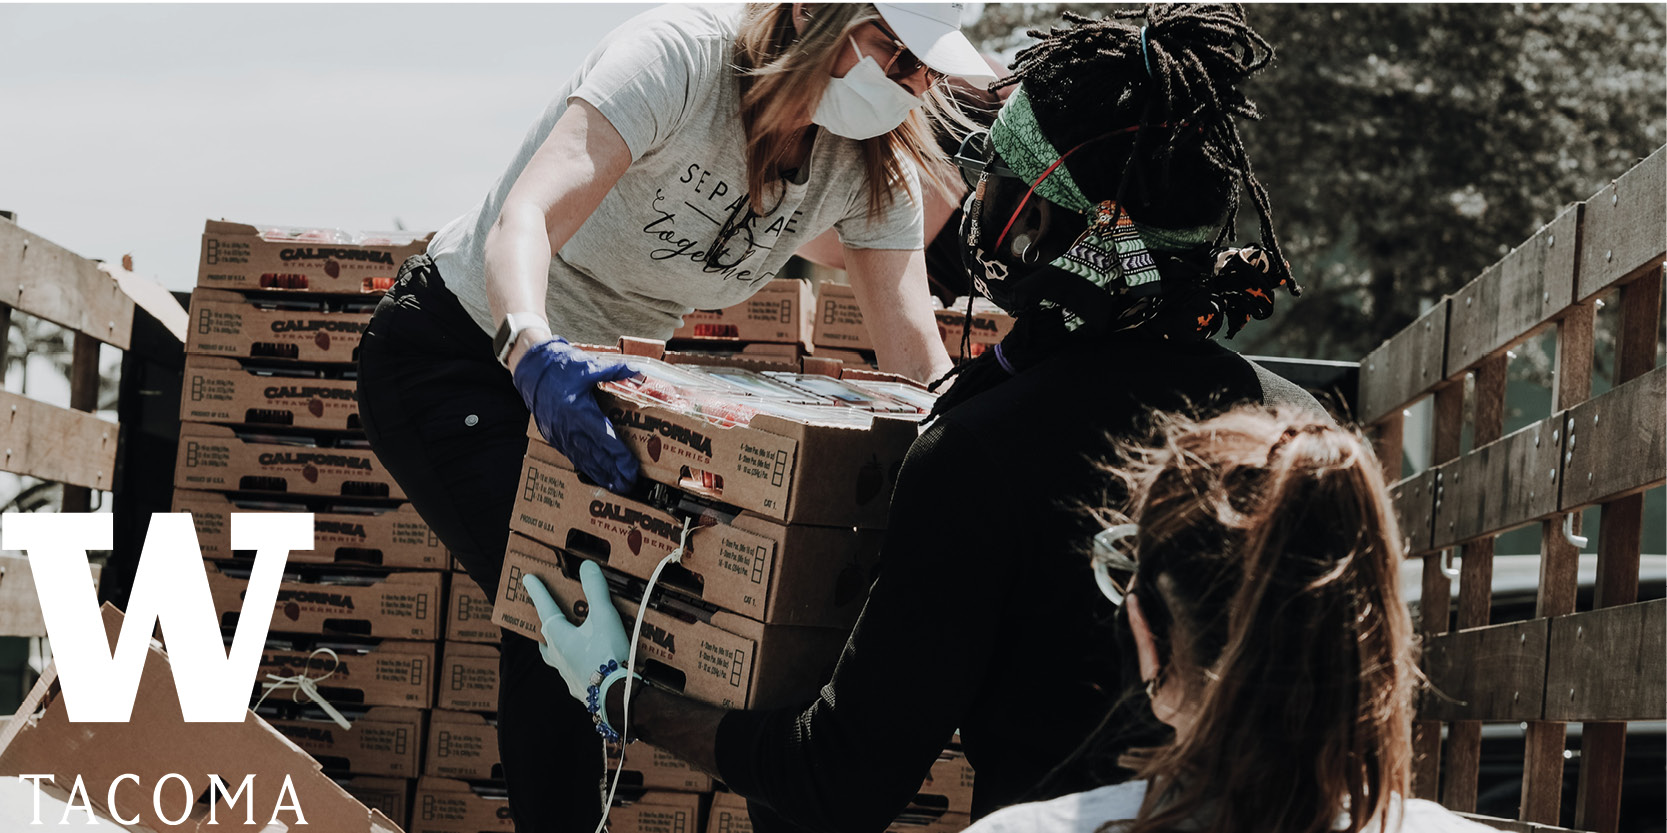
point(783, 74)
point(1268, 571)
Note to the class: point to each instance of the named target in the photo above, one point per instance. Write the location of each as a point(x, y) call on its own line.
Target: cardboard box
point(227, 391)
point(369, 673)
point(469, 613)
point(244, 257)
point(749, 357)
point(383, 740)
point(728, 814)
point(391, 537)
point(387, 605)
point(655, 812)
point(228, 324)
point(216, 458)
point(447, 805)
point(838, 319)
point(851, 358)
point(825, 475)
point(919, 822)
point(710, 655)
point(948, 786)
point(779, 313)
point(651, 768)
point(780, 574)
point(158, 742)
point(463, 745)
point(989, 327)
point(468, 677)
point(391, 796)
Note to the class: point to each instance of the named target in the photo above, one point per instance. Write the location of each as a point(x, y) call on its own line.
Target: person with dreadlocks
point(1102, 199)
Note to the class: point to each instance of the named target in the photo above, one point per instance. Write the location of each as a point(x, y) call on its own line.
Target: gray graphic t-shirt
point(665, 81)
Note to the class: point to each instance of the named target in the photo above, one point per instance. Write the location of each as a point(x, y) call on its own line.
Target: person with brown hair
point(694, 150)
point(1257, 571)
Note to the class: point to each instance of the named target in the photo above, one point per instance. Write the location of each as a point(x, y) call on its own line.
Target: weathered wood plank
point(1625, 227)
point(1464, 765)
point(1617, 442)
point(1597, 804)
point(48, 281)
point(1414, 502)
point(83, 396)
point(1542, 772)
point(1635, 342)
point(1516, 297)
point(1609, 664)
point(55, 443)
point(1499, 486)
point(1495, 673)
point(20, 608)
point(1405, 367)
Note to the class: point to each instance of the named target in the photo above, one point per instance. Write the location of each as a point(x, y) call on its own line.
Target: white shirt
point(1085, 812)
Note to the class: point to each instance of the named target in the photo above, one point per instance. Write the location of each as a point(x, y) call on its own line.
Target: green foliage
point(1407, 147)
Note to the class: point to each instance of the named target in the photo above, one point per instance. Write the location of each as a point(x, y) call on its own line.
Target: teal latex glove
point(577, 652)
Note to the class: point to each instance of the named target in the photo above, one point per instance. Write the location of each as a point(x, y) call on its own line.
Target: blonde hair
point(1268, 570)
point(783, 74)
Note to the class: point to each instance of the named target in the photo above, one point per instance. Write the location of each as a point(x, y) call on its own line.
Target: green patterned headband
point(1027, 151)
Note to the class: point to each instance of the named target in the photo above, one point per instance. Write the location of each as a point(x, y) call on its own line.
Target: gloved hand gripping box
point(776, 573)
point(832, 466)
point(711, 655)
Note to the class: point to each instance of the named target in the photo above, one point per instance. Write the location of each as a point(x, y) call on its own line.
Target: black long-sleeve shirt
point(985, 616)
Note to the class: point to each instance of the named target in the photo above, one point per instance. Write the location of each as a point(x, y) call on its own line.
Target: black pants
point(446, 421)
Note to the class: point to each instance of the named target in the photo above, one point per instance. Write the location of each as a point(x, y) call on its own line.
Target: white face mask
point(864, 103)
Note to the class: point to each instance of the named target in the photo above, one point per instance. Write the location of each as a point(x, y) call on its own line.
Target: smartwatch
point(510, 330)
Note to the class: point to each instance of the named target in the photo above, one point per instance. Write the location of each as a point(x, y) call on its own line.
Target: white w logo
point(170, 586)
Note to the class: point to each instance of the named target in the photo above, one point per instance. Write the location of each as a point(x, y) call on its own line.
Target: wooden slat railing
point(1602, 667)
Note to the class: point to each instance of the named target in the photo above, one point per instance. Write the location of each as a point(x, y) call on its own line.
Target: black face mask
point(1040, 233)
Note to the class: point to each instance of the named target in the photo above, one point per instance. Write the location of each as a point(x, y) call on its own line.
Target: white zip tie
point(631, 675)
point(300, 684)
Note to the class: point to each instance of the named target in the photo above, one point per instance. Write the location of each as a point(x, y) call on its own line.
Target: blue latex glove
point(558, 382)
point(578, 651)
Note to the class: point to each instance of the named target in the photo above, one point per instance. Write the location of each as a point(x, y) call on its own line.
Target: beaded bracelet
point(596, 696)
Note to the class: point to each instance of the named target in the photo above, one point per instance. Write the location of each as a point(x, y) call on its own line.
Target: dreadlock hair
point(1177, 79)
point(1092, 76)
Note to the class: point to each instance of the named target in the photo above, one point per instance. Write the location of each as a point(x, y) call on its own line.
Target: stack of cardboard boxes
point(270, 422)
point(784, 515)
point(790, 518)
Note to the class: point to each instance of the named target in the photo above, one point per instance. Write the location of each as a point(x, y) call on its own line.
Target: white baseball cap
point(933, 32)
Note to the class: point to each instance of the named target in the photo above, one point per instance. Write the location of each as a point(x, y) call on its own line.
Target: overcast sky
point(123, 128)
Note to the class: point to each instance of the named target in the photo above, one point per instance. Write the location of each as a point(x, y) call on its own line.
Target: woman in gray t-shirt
point(692, 153)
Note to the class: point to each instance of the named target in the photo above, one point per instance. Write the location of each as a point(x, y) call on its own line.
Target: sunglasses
point(903, 63)
point(1113, 562)
point(974, 159)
